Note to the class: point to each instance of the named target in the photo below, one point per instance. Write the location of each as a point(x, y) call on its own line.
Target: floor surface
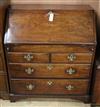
point(43, 103)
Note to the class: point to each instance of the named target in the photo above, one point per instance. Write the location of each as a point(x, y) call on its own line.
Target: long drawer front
point(49, 70)
point(49, 86)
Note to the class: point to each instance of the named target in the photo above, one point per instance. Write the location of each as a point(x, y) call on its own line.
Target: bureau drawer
point(72, 58)
point(50, 48)
point(28, 57)
point(49, 86)
point(49, 70)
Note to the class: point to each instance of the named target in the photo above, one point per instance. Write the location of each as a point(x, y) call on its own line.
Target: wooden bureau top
point(68, 27)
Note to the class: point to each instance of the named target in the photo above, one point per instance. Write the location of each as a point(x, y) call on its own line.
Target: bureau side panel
point(96, 93)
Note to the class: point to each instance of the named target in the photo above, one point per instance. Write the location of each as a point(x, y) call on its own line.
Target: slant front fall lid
point(65, 26)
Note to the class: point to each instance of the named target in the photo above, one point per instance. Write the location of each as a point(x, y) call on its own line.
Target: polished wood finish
point(43, 57)
point(52, 86)
point(81, 31)
point(80, 58)
point(51, 6)
point(34, 57)
point(49, 70)
point(49, 48)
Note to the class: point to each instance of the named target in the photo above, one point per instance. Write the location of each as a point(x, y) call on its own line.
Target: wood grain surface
point(44, 70)
point(41, 86)
point(68, 27)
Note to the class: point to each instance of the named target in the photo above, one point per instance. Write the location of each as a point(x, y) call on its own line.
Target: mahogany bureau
point(50, 51)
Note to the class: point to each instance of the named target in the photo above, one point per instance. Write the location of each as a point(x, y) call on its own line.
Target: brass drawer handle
point(71, 57)
point(50, 67)
point(30, 87)
point(29, 70)
point(70, 71)
point(69, 87)
point(49, 83)
point(28, 57)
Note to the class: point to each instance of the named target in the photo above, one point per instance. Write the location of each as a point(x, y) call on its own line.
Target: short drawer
point(49, 70)
point(49, 48)
point(49, 86)
point(28, 57)
point(71, 58)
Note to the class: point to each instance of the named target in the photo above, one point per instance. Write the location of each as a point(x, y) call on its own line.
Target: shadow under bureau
point(50, 52)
